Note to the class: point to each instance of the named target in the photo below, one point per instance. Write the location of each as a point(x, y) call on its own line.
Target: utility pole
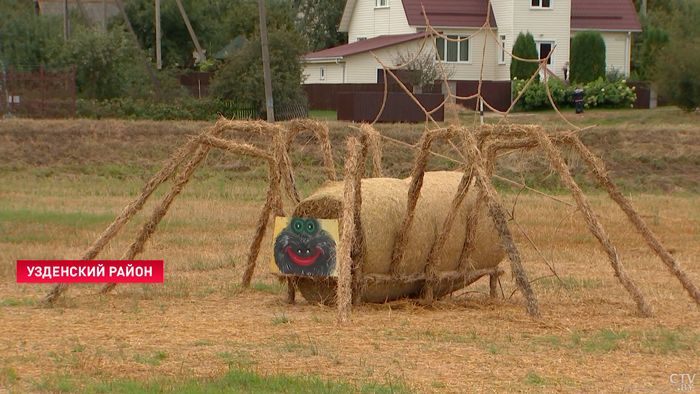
point(191, 30)
point(104, 15)
point(159, 59)
point(146, 63)
point(66, 22)
point(269, 102)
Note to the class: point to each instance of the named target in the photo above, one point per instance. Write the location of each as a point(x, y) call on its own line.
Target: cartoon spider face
point(304, 248)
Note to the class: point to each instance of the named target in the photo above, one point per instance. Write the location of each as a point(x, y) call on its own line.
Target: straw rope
point(347, 233)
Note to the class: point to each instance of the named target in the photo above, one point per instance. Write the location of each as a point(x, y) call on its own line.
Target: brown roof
point(364, 45)
point(604, 15)
point(448, 13)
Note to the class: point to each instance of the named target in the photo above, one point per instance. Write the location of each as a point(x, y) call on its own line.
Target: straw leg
point(493, 283)
point(257, 241)
point(431, 274)
point(107, 288)
point(56, 292)
point(347, 234)
point(129, 211)
point(159, 212)
point(291, 290)
point(358, 249)
point(497, 214)
point(616, 195)
point(592, 222)
point(399, 251)
point(417, 175)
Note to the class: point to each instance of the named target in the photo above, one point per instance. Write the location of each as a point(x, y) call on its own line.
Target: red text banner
point(89, 271)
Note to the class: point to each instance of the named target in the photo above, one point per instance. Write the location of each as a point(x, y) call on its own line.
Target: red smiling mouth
point(303, 260)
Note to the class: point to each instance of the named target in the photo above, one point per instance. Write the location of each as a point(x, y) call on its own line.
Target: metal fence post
point(41, 90)
point(72, 78)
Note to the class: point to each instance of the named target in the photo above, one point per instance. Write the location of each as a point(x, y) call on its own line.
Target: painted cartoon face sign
point(304, 246)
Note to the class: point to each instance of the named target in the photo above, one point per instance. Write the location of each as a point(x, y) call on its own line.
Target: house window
point(544, 48)
point(540, 3)
point(361, 38)
point(453, 51)
point(322, 73)
point(502, 50)
point(381, 3)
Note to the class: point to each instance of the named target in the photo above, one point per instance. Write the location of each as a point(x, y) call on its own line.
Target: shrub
point(525, 48)
point(240, 80)
point(599, 93)
point(587, 57)
point(129, 108)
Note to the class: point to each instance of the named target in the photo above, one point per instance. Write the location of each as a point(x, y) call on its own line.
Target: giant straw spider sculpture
point(478, 146)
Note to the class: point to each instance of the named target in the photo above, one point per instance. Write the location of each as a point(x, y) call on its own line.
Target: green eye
point(310, 226)
point(298, 225)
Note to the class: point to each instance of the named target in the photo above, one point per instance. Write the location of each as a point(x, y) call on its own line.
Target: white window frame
point(552, 59)
point(382, 3)
point(459, 48)
point(502, 51)
point(322, 73)
point(539, 5)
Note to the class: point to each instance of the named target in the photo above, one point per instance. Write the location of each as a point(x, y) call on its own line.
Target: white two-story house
point(387, 27)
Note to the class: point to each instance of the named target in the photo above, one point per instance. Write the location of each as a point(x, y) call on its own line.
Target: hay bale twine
point(383, 210)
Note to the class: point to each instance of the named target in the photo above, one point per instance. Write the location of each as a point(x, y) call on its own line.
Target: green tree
point(240, 80)
point(107, 63)
point(587, 57)
point(524, 48)
point(676, 73)
point(27, 39)
point(318, 22)
point(646, 50)
point(205, 16)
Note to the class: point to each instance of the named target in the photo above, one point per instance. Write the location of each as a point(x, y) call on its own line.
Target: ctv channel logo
point(683, 381)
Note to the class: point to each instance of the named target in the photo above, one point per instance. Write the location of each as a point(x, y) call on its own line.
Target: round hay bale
point(382, 214)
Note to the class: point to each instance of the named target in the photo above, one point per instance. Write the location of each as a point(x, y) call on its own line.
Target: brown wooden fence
point(399, 107)
point(324, 96)
point(496, 93)
point(40, 94)
point(198, 83)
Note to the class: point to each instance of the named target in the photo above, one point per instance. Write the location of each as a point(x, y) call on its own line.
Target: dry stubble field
point(198, 324)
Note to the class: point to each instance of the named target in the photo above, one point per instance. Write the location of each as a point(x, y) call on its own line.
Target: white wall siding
point(368, 21)
point(362, 20)
point(616, 51)
point(399, 23)
point(471, 71)
point(334, 73)
point(362, 68)
point(546, 25)
point(503, 12)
